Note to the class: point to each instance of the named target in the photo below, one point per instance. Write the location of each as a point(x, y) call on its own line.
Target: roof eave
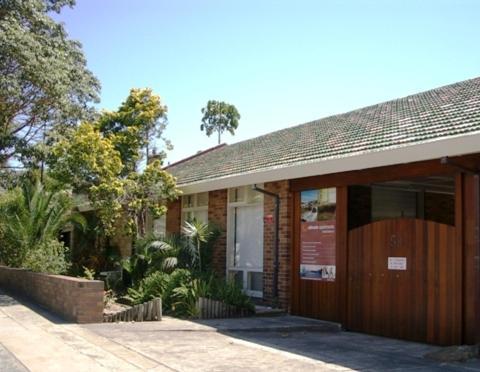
point(452, 146)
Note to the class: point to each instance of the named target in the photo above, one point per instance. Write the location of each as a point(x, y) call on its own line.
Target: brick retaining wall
point(76, 299)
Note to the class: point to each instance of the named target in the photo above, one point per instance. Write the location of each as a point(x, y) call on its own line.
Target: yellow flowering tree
point(101, 159)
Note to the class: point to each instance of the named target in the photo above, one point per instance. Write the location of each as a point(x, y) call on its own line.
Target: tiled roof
point(436, 114)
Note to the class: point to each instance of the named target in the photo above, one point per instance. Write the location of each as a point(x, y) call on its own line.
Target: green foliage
point(88, 273)
point(219, 117)
point(232, 294)
point(31, 219)
point(170, 268)
point(197, 233)
point(151, 255)
point(180, 291)
point(45, 85)
point(85, 159)
point(147, 194)
point(100, 160)
point(138, 120)
point(150, 287)
point(47, 257)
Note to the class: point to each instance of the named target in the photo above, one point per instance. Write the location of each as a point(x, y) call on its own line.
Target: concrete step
point(268, 311)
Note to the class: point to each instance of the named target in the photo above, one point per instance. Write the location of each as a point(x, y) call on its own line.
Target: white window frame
point(245, 202)
point(194, 208)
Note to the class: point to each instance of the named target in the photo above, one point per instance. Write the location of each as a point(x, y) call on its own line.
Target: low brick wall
point(76, 299)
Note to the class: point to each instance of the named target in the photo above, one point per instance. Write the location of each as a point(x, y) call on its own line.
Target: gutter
point(436, 149)
point(277, 240)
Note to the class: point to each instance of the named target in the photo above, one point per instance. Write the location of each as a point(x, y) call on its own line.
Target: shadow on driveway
point(276, 343)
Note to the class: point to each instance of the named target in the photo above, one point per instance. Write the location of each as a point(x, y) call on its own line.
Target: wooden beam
point(389, 173)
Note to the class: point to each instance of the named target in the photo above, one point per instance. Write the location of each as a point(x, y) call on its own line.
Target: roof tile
point(436, 114)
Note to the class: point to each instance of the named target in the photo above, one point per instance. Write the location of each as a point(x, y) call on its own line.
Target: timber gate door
point(405, 281)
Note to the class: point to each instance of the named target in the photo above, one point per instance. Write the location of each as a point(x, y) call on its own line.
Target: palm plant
point(197, 233)
point(152, 255)
point(31, 218)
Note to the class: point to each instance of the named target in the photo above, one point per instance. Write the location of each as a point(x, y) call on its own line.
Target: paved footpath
point(30, 339)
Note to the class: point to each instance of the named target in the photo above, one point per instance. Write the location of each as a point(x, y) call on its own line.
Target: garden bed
point(148, 311)
point(212, 309)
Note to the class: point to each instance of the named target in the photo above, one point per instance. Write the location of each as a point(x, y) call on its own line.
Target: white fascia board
point(456, 146)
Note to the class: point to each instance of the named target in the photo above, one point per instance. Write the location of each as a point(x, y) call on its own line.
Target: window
point(245, 239)
point(430, 198)
point(160, 226)
point(195, 206)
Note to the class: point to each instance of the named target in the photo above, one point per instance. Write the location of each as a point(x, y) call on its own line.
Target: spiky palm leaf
point(32, 216)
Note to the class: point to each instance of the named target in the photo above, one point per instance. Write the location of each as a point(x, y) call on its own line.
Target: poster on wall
point(317, 234)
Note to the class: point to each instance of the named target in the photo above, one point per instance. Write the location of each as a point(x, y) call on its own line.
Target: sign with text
point(317, 234)
point(397, 263)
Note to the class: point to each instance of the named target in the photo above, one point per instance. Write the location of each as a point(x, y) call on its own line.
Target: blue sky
point(280, 63)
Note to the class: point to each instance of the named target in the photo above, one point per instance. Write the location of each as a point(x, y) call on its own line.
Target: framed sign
point(397, 263)
point(317, 234)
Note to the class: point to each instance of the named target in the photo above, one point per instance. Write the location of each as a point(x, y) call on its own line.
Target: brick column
point(217, 214)
point(282, 188)
point(174, 217)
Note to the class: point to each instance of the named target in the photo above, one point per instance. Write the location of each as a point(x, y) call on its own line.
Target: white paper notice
point(397, 263)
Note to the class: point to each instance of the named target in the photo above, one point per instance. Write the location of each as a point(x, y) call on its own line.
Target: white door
point(245, 261)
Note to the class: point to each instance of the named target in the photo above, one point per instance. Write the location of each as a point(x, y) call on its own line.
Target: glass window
point(160, 226)
point(195, 206)
point(255, 281)
point(202, 199)
point(245, 238)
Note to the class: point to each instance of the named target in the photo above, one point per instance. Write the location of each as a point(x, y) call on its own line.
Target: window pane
point(237, 277)
point(237, 194)
point(201, 216)
point(187, 201)
point(255, 281)
point(202, 199)
point(160, 225)
point(187, 216)
point(254, 196)
point(248, 248)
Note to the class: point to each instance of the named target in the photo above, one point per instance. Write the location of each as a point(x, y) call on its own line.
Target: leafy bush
point(47, 257)
point(31, 218)
point(149, 288)
point(231, 293)
point(151, 255)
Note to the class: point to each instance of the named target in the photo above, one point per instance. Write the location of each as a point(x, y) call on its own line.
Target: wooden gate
point(422, 302)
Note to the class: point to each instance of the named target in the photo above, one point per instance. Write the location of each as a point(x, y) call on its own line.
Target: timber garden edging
point(148, 311)
point(213, 309)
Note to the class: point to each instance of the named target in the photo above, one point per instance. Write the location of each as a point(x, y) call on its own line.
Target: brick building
point(369, 218)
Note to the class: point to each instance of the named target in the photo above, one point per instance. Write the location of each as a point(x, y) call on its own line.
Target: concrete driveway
point(31, 339)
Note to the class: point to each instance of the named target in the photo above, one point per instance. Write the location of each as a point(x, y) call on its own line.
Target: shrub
point(47, 257)
point(149, 288)
point(231, 293)
point(31, 219)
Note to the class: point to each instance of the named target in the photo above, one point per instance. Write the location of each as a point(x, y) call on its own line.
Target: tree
point(219, 117)
point(100, 158)
point(139, 120)
point(44, 81)
point(31, 217)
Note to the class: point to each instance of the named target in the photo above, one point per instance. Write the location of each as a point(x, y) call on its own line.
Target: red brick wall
point(174, 210)
point(281, 188)
point(217, 214)
point(76, 299)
